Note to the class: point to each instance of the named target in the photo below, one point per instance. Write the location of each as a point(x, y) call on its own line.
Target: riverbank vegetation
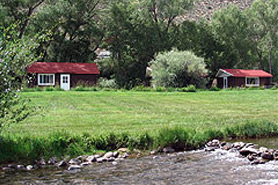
point(74, 123)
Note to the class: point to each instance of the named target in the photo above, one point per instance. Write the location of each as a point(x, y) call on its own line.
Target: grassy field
point(75, 123)
point(134, 112)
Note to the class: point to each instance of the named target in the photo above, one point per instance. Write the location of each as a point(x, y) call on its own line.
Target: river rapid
point(194, 167)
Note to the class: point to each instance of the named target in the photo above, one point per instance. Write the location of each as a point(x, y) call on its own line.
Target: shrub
point(255, 88)
point(176, 137)
point(106, 83)
point(178, 69)
point(142, 88)
point(215, 88)
point(49, 89)
point(160, 89)
point(142, 141)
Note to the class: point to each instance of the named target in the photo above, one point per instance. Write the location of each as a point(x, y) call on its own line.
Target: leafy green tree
point(264, 29)
point(76, 26)
point(139, 29)
point(199, 38)
point(162, 16)
point(15, 55)
point(178, 69)
point(21, 11)
point(230, 27)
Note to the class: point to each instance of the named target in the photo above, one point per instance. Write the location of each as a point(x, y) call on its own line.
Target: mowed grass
point(99, 113)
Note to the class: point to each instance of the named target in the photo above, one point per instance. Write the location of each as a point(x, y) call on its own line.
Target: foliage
point(174, 137)
point(62, 144)
point(190, 88)
point(138, 35)
point(214, 88)
point(15, 55)
point(106, 83)
point(263, 26)
point(178, 69)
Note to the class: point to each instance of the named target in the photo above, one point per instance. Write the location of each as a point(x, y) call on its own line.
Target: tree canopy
point(135, 31)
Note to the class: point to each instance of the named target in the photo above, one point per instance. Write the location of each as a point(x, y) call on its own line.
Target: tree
point(178, 69)
point(15, 55)
point(77, 29)
point(21, 11)
point(139, 29)
point(199, 38)
point(264, 27)
point(230, 27)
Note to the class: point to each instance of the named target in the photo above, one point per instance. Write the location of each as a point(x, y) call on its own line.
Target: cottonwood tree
point(76, 26)
point(230, 27)
point(21, 11)
point(264, 27)
point(162, 16)
point(139, 29)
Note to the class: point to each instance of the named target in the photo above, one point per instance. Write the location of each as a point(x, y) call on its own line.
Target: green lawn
point(134, 112)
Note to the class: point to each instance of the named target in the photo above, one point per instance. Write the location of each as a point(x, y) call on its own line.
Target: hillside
point(206, 8)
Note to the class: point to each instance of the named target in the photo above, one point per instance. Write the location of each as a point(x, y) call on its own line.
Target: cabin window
point(46, 79)
point(252, 81)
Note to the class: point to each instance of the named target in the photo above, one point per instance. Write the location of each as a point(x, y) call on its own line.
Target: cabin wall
point(87, 80)
point(265, 81)
point(240, 82)
point(75, 79)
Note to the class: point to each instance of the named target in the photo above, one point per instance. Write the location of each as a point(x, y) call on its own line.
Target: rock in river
point(52, 161)
point(91, 159)
point(168, 150)
point(267, 155)
point(62, 163)
point(74, 167)
point(108, 155)
point(74, 161)
point(85, 164)
point(247, 151)
point(29, 167)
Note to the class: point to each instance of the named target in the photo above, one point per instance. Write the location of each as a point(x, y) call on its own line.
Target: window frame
point(46, 84)
point(252, 85)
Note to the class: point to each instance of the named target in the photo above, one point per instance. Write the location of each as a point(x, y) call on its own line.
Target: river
point(195, 167)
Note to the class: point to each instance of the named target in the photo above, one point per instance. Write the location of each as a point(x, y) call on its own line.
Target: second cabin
point(227, 78)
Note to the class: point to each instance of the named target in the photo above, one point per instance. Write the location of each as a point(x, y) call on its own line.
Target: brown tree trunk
point(26, 22)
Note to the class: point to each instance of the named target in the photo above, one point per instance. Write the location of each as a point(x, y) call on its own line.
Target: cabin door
point(225, 83)
point(65, 82)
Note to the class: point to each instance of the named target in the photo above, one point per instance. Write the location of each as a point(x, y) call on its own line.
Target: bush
point(215, 88)
point(178, 69)
point(106, 83)
point(160, 89)
point(190, 88)
point(255, 88)
point(174, 137)
point(49, 89)
point(142, 88)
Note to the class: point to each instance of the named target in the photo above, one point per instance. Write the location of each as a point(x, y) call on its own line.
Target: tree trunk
point(270, 59)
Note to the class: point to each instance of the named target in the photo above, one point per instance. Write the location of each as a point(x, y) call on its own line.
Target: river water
point(195, 167)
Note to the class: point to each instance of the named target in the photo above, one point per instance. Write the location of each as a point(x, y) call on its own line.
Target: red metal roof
point(63, 67)
point(247, 73)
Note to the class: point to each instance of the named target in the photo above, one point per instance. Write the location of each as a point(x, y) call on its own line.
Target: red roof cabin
point(243, 78)
point(66, 75)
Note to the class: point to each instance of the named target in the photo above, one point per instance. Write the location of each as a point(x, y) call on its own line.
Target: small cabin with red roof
point(243, 78)
point(66, 75)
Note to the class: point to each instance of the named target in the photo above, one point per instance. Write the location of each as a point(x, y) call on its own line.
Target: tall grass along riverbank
point(75, 123)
